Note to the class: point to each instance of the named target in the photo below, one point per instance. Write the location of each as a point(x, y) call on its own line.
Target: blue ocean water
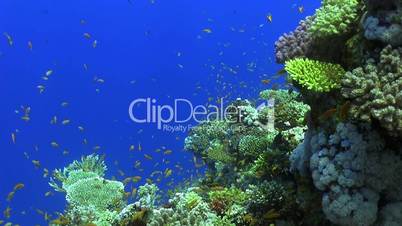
point(197, 50)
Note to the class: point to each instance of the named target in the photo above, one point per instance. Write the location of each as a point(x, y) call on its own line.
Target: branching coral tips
point(315, 75)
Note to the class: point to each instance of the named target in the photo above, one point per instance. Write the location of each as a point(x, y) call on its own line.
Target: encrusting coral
point(383, 22)
point(355, 170)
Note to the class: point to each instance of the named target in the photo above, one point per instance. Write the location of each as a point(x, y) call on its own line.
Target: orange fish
point(207, 30)
point(269, 18)
point(30, 46)
point(87, 35)
point(265, 81)
point(328, 114)
point(344, 110)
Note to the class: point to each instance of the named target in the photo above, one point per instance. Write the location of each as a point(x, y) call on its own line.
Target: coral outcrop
point(375, 91)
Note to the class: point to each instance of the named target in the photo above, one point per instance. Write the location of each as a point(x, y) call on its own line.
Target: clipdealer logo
point(183, 111)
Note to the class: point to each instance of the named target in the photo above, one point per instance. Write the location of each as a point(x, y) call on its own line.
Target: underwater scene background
point(308, 131)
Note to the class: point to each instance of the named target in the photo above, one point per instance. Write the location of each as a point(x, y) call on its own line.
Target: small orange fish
point(49, 193)
point(133, 192)
point(168, 172)
point(344, 111)
point(168, 152)
point(9, 39)
point(265, 81)
point(301, 9)
point(148, 157)
point(87, 35)
point(10, 196)
point(271, 214)
point(13, 138)
point(149, 181)
point(54, 144)
point(137, 164)
point(126, 180)
point(19, 186)
point(7, 212)
point(136, 179)
point(328, 114)
point(269, 18)
point(36, 163)
point(45, 173)
point(207, 30)
point(30, 46)
point(121, 173)
point(66, 122)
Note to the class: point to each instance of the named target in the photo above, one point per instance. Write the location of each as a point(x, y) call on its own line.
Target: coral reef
point(257, 182)
point(328, 153)
point(354, 159)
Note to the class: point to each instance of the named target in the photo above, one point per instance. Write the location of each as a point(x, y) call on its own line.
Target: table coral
point(315, 75)
point(91, 198)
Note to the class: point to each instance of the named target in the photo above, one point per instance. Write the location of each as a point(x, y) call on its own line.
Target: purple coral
point(295, 44)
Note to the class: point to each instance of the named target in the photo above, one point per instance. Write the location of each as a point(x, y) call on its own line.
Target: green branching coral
point(270, 196)
point(315, 75)
point(191, 200)
point(217, 152)
point(375, 91)
point(252, 145)
point(271, 164)
point(229, 196)
point(335, 17)
point(228, 203)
